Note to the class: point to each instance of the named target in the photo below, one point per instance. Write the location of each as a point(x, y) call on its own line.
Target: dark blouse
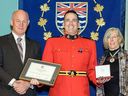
point(112, 87)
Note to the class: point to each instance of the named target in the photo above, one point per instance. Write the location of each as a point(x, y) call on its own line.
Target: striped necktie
point(19, 45)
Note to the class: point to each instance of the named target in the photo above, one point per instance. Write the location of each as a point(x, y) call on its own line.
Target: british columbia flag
point(80, 7)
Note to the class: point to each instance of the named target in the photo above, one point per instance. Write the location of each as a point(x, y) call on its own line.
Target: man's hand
point(21, 86)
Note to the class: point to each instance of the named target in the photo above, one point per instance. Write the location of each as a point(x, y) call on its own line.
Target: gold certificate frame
point(45, 72)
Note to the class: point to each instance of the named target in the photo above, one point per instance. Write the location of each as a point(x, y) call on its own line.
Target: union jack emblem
point(80, 7)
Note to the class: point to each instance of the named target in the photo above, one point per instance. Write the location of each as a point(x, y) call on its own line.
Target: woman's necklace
point(112, 59)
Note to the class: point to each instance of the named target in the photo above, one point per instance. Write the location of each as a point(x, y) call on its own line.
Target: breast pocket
point(60, 54)
point(83, 55)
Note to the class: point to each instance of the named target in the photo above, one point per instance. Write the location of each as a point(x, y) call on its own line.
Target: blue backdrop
point(95, 17)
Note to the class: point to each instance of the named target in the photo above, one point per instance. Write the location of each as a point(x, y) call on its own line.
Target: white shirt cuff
point(11, 82)
point(31, 86)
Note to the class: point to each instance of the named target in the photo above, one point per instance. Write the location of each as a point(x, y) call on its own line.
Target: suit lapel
point(28, 48)
point(12, 43)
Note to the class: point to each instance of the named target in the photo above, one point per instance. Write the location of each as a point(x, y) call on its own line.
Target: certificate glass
point(44, 72)
point(102, 71)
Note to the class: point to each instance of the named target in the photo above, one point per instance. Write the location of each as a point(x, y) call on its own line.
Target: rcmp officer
point(76, 55)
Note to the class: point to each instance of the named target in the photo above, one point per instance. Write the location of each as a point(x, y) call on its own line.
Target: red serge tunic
point(78, 55)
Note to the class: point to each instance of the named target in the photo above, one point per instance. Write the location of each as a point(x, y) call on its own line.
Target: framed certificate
point(44, 72)
point(102, 71)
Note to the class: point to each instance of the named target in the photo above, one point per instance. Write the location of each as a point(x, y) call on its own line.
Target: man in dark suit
point(11, 61)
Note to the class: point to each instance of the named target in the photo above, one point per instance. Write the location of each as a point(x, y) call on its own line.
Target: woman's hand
point(101, 80)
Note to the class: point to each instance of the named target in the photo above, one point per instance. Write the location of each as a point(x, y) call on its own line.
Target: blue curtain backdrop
point(95, 17)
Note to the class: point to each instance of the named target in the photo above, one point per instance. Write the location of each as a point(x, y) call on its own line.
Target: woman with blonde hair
point(117, 58)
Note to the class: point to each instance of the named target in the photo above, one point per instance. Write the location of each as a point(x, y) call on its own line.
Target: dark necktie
point(19, 45)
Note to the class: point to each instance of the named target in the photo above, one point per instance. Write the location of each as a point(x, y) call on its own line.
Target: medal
point(112, 59)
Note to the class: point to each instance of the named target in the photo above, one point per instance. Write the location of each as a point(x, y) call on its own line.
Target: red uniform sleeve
point(48, 51)
point(92, 63)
